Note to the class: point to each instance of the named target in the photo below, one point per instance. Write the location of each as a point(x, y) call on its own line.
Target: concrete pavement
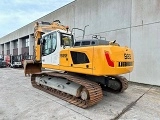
point(20, 101)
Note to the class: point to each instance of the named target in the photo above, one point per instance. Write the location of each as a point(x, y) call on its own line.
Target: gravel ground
point(20, 101)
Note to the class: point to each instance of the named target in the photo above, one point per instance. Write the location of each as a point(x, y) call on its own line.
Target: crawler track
point(94, 90)
point(124, 83)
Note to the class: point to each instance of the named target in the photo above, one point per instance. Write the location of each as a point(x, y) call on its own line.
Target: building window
point(27, 42)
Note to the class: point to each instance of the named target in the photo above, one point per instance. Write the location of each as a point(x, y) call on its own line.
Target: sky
point(15, 14)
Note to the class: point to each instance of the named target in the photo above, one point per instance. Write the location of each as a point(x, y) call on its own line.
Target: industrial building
point(133, 23)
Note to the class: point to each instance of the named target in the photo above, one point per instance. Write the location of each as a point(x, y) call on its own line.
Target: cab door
point(50, 49)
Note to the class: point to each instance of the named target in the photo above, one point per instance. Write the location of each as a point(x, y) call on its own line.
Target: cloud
point(17, 13)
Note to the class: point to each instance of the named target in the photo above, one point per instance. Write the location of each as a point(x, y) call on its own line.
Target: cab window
point(49, 43)
point(66, 39)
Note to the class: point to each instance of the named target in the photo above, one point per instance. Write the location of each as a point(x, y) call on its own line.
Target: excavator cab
point(50, 44)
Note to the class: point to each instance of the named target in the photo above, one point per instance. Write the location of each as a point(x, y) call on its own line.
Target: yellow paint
point(98, 64)
point(38, 56)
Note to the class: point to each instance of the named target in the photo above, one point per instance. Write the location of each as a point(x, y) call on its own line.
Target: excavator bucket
point(30, 67)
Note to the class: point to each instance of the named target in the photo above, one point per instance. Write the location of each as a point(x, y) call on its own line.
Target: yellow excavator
point(78, 69)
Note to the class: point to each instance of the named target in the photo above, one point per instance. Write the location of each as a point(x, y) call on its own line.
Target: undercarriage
point(80, 90)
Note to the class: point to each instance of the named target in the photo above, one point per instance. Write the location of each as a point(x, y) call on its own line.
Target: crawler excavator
point(81, 69)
